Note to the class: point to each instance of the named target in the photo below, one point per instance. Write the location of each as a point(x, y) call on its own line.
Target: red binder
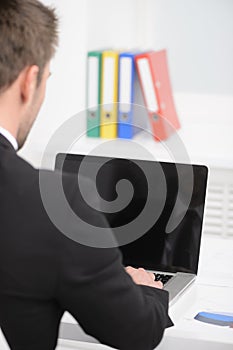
point(154, 79)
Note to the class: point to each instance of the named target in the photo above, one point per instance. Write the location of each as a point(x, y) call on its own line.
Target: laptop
point(170, 245)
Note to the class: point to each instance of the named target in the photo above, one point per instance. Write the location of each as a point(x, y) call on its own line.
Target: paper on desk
point(193, 329)
point(216, 279)
point(214, 299)
point(209, 299)
point(216, 263)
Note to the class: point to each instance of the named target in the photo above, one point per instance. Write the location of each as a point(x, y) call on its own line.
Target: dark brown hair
point(28, 36)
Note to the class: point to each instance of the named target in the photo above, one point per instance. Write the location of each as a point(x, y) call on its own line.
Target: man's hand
point(141, 276)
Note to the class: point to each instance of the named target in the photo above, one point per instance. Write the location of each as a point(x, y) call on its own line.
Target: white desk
point(212, 291)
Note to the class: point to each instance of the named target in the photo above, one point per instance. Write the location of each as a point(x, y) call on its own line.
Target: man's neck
point(9, 114)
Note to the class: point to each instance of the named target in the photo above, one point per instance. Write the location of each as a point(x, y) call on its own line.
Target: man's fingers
point(130, 269)
point(143, 277)
point(152, 275)
point(159, 284)
point(141, 269)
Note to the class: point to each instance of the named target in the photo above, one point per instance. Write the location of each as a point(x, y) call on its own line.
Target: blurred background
point(197, 35)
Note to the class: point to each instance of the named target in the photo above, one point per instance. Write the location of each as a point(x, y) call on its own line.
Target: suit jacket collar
point(5, 143)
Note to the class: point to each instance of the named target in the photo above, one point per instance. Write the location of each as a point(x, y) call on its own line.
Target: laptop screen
point(177, 196)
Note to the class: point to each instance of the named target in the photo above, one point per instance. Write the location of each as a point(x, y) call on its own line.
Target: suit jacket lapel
point(5, 143)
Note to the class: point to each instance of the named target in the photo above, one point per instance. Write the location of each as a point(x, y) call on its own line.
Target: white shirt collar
point(9, 137)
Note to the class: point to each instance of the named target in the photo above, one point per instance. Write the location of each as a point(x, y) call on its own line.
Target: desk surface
point(212, 291)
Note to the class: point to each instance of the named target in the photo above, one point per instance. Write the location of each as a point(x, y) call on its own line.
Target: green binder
point(94, 68)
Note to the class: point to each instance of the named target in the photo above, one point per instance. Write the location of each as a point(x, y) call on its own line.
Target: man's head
point(28, 38)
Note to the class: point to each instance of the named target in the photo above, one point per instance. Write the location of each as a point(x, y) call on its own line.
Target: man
point(42, 272)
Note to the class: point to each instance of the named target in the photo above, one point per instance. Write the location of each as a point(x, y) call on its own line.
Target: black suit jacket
point(43, 273)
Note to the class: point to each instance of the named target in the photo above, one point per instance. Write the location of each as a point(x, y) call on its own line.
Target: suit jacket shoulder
point(44, 270)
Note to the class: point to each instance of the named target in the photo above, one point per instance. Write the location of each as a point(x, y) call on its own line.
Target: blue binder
point(131, 113)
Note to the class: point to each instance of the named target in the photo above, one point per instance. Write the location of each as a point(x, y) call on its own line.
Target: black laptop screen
point(156, 249)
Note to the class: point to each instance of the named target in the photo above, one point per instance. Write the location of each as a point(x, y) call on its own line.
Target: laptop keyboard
point(163, 278)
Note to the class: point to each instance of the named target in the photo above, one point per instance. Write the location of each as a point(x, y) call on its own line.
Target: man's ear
point(29, 83)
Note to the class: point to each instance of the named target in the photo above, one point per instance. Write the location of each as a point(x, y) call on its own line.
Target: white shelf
point(206, 134)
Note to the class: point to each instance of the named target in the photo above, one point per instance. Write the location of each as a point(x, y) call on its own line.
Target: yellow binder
point(108, 125)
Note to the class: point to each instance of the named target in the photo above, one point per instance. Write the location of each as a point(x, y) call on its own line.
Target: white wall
point(199, 37)
point(66, 86)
